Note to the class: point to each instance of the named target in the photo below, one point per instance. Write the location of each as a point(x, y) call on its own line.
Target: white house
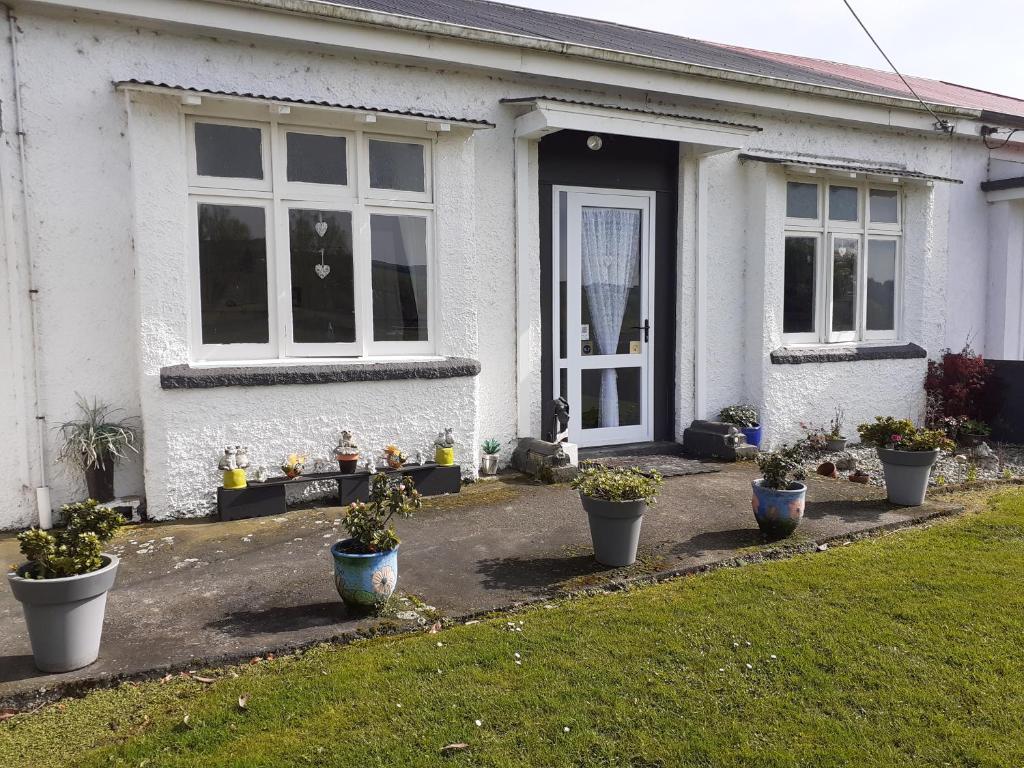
point(263, 221)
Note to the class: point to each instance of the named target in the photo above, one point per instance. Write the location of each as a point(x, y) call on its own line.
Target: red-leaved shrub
point(958, 387)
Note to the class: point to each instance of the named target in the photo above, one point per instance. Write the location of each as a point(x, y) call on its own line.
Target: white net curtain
point(610, 261)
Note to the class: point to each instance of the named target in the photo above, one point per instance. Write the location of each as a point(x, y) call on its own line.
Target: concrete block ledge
point(186, 376)
point(847, 354)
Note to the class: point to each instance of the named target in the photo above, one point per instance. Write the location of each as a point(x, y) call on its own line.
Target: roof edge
point(356, 15)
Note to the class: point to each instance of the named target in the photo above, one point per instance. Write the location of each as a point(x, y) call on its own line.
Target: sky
point(968, 42)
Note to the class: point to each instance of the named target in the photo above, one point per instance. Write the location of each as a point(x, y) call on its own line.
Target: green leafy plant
point(902, 435)
point(369, 523)
point(972, 473)
point(74, 549)
point(96, 438)
point(975, 427)
point(780, 468)
point(743, 416)
point(618, 483)
point(491, 446)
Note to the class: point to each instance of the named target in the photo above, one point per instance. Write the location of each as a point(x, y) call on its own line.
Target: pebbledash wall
point(106, 184)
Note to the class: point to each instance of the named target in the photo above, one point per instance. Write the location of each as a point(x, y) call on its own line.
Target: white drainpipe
point(43, 507)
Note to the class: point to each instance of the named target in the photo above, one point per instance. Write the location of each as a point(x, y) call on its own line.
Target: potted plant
point(95, 443)
point(744, 417)
point(366, 563)
point(489, 461)
point(835, 441)
point(394, 456)
point(63, 585)
point(779, 495)
point(972, 433)
point(347, 453)
point(294, 465)
point(615, 500)
point(907, 455)
point(444, 448)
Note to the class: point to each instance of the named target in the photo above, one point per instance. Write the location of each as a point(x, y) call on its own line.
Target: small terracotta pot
point(828, 469)
point(859, 477)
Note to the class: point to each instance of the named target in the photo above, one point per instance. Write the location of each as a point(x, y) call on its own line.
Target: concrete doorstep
point(200, 593)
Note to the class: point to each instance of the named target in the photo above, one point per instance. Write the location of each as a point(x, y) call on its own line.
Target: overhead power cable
point(940, 123)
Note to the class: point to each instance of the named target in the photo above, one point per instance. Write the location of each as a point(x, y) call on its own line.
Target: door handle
point(646, 328)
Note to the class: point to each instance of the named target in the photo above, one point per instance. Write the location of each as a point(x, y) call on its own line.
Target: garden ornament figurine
point(234, 471)
point(559, 421)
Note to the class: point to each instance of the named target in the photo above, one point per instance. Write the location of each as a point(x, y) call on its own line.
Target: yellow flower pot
point(444, 457)
point(234, 478)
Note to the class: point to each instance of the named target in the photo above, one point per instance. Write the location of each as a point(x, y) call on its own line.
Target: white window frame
point(826, 231)
point(376, 193)
point(277, 195)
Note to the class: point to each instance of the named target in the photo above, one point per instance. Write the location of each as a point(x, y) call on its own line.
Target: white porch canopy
point(543, 115)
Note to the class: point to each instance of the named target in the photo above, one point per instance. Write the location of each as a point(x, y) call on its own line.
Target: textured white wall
point(112, 315)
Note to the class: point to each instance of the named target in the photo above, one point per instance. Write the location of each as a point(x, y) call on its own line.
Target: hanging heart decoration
point(322, 270)
point(842, 251)
point(321, 228)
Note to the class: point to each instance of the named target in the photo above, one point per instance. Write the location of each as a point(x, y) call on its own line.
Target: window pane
point(230, 151)
point(844, 283)
point(316, 159)
point(881, 299)
point(842, 204)
point(323, 297)
point(798, 302)
point(233, 274)
point(801, 200)
point(394, 165)
point(398, 253)
point(883, 206)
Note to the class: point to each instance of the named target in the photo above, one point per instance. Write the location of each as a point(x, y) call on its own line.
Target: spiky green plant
point(97, 437)
point(491, 446)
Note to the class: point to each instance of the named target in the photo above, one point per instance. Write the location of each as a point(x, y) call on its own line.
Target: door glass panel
point(844, 283)
point(323, 300)
point(801, 200)
point(563, 269)
point(611, 397)
point(398, 255)
point(842, 204)
point(233, 274)
point(798, 302)
point(881, 299)
point(231, 151)
point(610, 295)
point(317, 159)
point(396, 165)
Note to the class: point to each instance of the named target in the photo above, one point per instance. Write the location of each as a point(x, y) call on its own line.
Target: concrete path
point(205, 592)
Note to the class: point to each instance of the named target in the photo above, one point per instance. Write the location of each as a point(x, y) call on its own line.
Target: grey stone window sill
point(832, 353)
point(201, 377)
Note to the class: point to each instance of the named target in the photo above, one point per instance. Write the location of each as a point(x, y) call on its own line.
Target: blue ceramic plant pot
point(753, 435)
point(364, 581)
point(778, 512)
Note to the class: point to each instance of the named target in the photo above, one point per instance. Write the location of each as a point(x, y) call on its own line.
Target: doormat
point(666, 464)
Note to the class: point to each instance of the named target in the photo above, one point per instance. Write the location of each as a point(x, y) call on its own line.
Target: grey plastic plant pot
point(65, 616)
point(906, 475)
point(614, 529)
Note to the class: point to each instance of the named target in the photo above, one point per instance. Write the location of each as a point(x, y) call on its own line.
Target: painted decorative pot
point(291, 472)
point(364, 581)
point(444, 457)
point(489, 463)
point(778, 512)
point(347, 462)
point(753, 435)
point(65, 616)
point(394, 462)
point(234, 478)
point(906, 475)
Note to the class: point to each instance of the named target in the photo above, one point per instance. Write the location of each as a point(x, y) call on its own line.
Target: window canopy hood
point(852, 168)
point(194, 96)
point(547, 114)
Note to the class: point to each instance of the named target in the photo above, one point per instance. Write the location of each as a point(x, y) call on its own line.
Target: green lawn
point(899, 651)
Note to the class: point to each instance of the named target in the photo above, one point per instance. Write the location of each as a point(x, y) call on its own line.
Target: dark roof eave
point(996, 185)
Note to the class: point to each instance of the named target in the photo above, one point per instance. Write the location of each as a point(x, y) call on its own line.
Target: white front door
point(603, 302)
